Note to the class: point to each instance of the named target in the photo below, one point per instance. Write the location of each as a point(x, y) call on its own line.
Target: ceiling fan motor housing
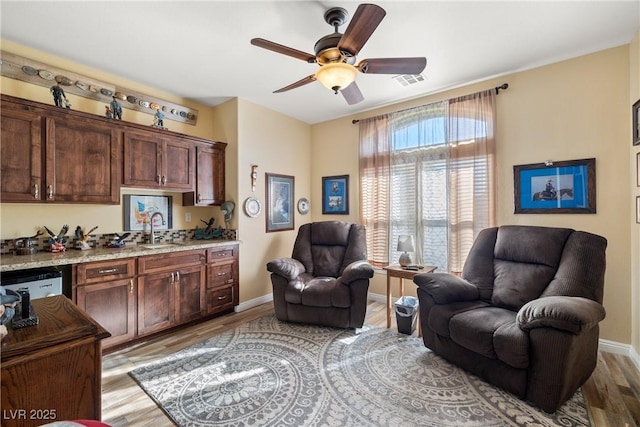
point(326, 49)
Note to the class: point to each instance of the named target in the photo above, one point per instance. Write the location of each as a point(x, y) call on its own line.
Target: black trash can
point(406, 314)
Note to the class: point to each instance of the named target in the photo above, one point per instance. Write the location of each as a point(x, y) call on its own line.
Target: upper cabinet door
point(142, 160)
point(21, 155)
point(210, 183)
point(179, 164)
point(82, 161)
point(155, 161)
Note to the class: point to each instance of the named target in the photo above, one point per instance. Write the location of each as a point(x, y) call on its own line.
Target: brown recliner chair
point(524, 315)
point(326, 280)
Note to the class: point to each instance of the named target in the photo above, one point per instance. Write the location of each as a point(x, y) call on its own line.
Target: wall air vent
point(409, 79)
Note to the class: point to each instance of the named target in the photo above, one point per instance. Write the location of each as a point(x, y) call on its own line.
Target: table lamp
point(405, 245)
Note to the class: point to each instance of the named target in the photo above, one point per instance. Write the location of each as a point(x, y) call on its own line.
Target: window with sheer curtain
point(428, 172)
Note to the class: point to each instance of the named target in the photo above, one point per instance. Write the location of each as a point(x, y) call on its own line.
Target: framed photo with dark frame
point(635, 119)
point(280, 204)
point(138, 210)
point(555, 187)
point(335, 195)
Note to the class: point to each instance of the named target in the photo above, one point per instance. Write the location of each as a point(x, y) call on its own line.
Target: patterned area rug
point(272, 373)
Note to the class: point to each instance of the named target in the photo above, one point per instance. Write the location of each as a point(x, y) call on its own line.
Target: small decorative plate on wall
point(252, 207)
point(303, 206)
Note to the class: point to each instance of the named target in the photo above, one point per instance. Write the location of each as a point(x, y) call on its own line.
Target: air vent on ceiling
point(409, 79)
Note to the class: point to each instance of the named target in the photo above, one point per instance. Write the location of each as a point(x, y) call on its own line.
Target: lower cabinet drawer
point(220, 275)
point(103, 271)
point(219, 299)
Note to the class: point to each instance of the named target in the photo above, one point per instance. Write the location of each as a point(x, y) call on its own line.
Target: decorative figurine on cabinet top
point(116, 107)
point(58, 94)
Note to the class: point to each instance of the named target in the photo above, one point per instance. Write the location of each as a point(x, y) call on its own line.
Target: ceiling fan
point(336, 53)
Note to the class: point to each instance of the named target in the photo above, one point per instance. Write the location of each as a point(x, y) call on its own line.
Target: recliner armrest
point(355, 271)
point(570, 314)
point(446, 288)
point(288, 268)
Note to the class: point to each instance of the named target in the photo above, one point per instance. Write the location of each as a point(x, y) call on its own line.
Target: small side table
point(401, 274)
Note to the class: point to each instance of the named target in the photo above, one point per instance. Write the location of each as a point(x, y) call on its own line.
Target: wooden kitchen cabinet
point(222, 279)
point(52, 371)
point(210, 183)
point(49, 155)
point(171, 290)
point(106, 290)
point(153, 160)
point(21, 154)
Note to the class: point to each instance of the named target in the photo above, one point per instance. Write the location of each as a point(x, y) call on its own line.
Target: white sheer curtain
point(429, 172)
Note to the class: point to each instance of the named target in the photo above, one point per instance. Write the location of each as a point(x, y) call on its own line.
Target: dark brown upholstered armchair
point(524, 315)
point(326, 280)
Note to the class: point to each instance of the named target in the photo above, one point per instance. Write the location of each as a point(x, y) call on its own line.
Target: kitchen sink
point(161, 245)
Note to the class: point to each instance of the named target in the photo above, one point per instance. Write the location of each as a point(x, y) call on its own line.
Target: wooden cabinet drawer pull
point(222, 297)
point(222, 274)
point(107, 271)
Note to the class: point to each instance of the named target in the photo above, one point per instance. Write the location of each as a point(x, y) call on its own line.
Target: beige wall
point(277, 144)
point(569, 110)
point(634, 95)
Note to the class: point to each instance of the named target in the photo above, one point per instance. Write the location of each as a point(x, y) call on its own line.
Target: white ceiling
point(200, 50)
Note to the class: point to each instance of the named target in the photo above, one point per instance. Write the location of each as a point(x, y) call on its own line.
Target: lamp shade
point(406, 243)
point(336, 75)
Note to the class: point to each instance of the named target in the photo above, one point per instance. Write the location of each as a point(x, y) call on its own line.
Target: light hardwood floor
point(612, 392)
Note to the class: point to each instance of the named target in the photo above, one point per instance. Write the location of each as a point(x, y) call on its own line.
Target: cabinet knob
point(36, 191)
point(198, 199)
point(222, 297)
point(158, 179)
point(164, 180)
point(178, 276)
point(173, 278)
point(50, 192)
point(131, 286)
point(222, 274)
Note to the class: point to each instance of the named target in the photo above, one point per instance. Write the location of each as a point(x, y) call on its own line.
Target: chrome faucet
point(153, 237)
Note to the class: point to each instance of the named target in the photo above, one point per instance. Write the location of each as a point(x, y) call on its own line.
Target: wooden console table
point(401, 274)
point(52, 371)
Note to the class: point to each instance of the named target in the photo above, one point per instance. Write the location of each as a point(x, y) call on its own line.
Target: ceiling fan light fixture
point(336, 75)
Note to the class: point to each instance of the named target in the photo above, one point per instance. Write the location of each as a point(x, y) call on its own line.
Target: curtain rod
point(503, 86)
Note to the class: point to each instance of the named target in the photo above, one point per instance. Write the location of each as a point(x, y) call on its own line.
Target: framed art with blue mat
point(335, 195)
point(555, 187)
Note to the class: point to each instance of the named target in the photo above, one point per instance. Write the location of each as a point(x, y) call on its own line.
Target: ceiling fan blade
point(301, 82)
point(392, 65)
point(362, 25)
point(352, 94)
point(289, 51)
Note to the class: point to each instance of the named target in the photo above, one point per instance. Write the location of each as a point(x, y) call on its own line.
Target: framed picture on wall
point(555, 187)
point(280, 204)
point(139, 209)
point(638, 169)
point(335, 195)
point(635, 119)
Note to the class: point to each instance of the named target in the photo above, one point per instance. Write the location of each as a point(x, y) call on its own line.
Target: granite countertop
point(75, 256)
